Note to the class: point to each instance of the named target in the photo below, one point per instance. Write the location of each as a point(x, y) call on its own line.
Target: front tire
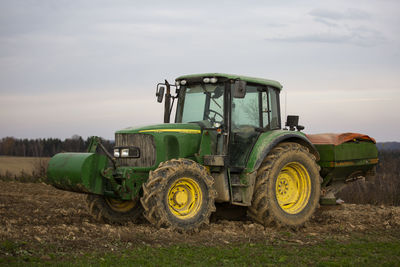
point(179, 194)
point(111, 210)
point(287, 188)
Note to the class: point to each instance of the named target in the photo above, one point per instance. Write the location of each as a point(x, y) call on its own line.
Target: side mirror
point(239, 89)
point(293, 122)
point(160, 94)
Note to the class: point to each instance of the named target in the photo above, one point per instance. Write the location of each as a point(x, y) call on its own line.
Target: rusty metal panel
point(214, 160)
point(146, 145)
point(221, 185)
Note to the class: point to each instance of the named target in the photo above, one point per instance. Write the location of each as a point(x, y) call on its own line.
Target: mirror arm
point(167, 103)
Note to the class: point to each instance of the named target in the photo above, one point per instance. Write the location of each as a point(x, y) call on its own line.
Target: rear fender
point(268, 140)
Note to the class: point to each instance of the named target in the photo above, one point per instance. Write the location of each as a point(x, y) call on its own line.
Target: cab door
point(250, 116)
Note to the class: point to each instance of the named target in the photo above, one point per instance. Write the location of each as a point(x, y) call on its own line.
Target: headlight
point(182, 82)
point(125, 152)
point(213, 80)
point(206, 80)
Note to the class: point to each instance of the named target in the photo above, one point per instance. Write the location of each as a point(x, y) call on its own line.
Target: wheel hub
point(184, 198)
point(120, 205)
point(180, 197)
point(293, 188)
point(283, 186)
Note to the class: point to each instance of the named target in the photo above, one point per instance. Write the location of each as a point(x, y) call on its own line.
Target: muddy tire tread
point(100, 211)
point(154, 188)
point(260, 210)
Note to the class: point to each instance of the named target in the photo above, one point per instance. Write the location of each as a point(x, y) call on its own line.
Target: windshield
point(201, 103)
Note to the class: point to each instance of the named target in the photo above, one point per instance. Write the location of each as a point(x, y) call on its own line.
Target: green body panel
point(233, 77)
point(266, 141)
point(78, 172)
point(179, 140)
point(206, 145)
point(347, 151)
point(341, 161)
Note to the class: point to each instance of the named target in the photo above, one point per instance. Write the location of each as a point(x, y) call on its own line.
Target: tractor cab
point(234, 109)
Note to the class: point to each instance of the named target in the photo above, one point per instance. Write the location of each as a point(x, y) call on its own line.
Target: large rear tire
point(287, 188)
point(179, 194)
point(111, 210)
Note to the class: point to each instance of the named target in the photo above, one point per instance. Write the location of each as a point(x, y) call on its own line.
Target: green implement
point(78, 172)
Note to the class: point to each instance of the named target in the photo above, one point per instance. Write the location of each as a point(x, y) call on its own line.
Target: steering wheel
point(212, 119)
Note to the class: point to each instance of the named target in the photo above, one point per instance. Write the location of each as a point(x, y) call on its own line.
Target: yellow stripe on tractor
point(187, 131)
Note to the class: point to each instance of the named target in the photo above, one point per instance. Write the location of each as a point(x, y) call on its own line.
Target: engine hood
point(168, 141)
point(183, 128)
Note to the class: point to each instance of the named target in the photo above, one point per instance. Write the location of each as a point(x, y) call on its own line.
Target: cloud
point(360, 36)
point(326, 22)
point(351, 26)
point(349, 14)
point(312, 38)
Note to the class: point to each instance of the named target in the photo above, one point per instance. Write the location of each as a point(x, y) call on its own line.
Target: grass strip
point(327, 253)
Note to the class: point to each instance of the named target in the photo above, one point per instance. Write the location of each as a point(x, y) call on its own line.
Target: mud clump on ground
point(43, 217)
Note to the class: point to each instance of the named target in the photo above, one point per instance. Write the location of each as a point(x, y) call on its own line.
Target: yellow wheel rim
point(184, 198)
point(119, 205)
point(293, 188)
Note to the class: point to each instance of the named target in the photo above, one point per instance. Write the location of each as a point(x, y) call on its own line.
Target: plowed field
point(46, 219)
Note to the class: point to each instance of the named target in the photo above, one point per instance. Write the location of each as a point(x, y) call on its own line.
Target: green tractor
point(227, 145)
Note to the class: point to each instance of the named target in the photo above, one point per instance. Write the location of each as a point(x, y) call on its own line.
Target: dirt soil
point(45, 219)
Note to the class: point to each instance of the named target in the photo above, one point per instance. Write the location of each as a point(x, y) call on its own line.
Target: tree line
point(46, 147)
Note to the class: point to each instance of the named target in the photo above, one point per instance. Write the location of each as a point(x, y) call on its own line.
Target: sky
point(91, 67)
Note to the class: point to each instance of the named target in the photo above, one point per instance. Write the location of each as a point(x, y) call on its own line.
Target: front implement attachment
point(78, 172)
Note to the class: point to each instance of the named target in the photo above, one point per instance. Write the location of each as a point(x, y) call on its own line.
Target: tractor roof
point(233, 77)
